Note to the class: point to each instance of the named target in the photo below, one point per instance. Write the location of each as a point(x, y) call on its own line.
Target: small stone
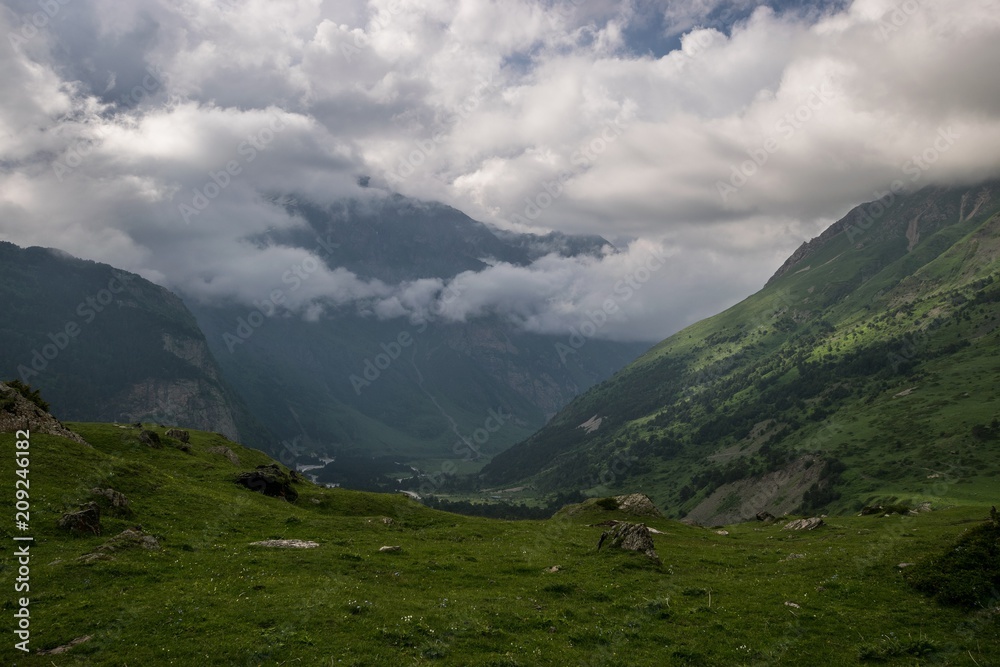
point(722, 532)
point(792, 605)
point(553, 569)
point(388, 549)
point(902, 566)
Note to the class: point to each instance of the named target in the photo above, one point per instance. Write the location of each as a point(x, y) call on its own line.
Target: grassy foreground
point(462, 591)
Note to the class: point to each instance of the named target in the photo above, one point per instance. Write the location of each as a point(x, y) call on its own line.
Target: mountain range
point(104, 345)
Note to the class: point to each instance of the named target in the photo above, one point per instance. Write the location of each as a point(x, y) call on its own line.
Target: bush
point(32, 395)
point(967, 574)
point(609, 504)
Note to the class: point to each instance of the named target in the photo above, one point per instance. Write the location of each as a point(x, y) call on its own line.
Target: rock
point(285, 544)
point(130, 538)
point(766, 517)
point(66, 647)
point(804, 524)
point(637, 504)
point(384, 550)
point(903, 566)
point(297, 477)
point(19, 413)
point(794, 556)
point(150, 438)
point(630, 537)
point(85, 520)
point(269, 480)
point(792, 605)
point(387, 521)
point(553, 569)
point(119, 503)
point(178, 434)
point(228, 453)
point(722, 532)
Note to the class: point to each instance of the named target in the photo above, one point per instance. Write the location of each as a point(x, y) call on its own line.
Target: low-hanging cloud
point(162, 136)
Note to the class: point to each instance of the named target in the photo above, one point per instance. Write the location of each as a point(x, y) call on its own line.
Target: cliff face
point(106, 345)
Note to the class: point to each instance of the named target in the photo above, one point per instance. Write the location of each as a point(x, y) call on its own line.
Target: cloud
point(159, 136)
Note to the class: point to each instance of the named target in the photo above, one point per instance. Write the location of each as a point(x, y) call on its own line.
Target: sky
point(706, 139)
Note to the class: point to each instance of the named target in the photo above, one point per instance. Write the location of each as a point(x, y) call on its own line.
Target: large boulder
point(269, 480)
point(630, 537)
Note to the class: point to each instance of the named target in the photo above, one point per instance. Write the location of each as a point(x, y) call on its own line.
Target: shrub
point(32, 395)
point(967, 574)
point(608, 504)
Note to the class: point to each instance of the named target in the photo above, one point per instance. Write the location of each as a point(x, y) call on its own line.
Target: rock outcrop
point(630, 537)
point(18, 413)
point(269, 480)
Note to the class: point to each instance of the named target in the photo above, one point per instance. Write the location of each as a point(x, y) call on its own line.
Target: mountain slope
point(355, 385)
point(866, 367)
point(104, 344)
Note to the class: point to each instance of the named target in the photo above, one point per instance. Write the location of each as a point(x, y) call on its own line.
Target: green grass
point(462, 591)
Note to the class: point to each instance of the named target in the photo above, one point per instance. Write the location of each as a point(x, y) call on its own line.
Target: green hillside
point(866, 369)
point(460, 591)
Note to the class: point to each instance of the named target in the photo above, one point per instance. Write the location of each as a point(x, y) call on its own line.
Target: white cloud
point(501, 109)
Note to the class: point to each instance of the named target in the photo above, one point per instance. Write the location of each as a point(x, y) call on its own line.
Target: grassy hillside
point(461, 591)
point(866, 369)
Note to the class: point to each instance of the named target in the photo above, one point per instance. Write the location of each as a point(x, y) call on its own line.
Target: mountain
point(105, 344)
point(354, 386)
point(865, 369)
